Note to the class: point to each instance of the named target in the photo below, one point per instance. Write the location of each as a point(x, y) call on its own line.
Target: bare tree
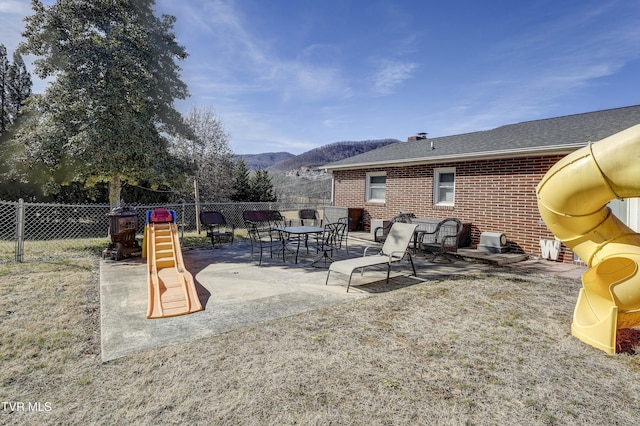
point(209, 154)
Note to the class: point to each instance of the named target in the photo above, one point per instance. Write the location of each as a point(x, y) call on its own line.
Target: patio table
point(299, 232)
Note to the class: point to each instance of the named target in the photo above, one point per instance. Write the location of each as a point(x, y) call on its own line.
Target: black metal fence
point(37, 231)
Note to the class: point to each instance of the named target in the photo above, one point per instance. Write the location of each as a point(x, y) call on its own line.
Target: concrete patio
point(235, 292)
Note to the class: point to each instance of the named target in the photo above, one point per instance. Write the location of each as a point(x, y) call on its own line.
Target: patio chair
point(309, 217)
point(261, 228)
point(329, 241)
point(218, 228)
point(394, 249)
point(444, 239)
point(381, 232)
point(343, 236)
point(266, 219)
point(262, 239)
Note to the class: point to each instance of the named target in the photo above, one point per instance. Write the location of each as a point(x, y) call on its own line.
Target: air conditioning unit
point(377, 223)
point(493, 242)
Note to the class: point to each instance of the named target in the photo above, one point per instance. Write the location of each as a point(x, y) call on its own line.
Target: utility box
point(378, 223)
point(493, 242)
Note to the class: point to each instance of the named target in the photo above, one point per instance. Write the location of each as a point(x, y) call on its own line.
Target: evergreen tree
point(262, 187)
point(241, 189)
point(5, 105)
point(20, 84)
point(111, 104)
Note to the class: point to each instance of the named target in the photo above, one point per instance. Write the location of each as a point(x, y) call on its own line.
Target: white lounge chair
point(395, 248)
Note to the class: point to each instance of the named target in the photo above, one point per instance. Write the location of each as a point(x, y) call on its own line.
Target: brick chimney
point(419, 137)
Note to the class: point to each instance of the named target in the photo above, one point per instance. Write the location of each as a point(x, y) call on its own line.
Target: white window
point(376, 187)
point(444, 186)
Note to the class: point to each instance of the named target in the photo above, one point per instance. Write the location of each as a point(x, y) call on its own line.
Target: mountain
point(327, 154)
point(298, 179)
point(265, 160)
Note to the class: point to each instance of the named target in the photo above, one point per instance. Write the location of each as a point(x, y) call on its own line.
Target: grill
point(123, 223)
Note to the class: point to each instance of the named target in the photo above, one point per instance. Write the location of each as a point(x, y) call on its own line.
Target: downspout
point(333, 189)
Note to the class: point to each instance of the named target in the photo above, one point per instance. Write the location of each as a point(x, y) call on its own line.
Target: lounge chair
point(395, 249)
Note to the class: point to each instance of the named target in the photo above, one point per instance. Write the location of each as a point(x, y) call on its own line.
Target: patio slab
point(235, 292)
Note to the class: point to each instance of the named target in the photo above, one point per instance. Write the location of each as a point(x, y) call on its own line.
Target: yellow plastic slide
point(572, 199)
point(172, 290)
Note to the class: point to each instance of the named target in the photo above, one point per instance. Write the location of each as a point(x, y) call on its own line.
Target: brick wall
point(492, 195)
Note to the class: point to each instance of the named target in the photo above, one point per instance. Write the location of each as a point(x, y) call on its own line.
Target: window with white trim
point(444, 186)
point(376, 187)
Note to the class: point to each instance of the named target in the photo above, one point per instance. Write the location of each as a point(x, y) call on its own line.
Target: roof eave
point(456, 158)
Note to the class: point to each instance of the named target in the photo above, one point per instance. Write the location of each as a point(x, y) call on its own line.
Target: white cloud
point(233, 56)
point(312, 83)
point(260, 132)
point(333, 123)
point(390, 75)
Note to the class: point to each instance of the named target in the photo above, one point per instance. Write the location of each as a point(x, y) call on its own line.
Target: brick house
point(484, 178)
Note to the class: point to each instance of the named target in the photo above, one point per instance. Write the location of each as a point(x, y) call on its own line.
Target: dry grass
point(480, 349)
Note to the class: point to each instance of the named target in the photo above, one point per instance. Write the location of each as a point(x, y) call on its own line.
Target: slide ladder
point(172, 289)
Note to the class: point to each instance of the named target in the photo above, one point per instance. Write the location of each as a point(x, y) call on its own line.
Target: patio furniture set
point(269, 231)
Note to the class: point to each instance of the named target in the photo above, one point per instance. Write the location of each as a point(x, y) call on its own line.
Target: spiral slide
point(572, 199)
point(172, 290)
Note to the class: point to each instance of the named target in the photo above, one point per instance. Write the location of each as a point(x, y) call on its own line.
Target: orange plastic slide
point(172, 290)
point(572, 199)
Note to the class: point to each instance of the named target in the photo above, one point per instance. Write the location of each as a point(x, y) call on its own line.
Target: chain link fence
point(39, 231)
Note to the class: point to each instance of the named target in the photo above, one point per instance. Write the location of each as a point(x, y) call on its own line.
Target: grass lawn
point(488, 348)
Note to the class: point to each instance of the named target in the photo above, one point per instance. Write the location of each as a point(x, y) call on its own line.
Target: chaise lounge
point(395, 249)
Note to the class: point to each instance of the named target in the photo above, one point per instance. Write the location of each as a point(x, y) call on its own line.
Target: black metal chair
point(217, 227)
point(344, 233)
point(329, 241)
point(381, 232)
point(261, 228)
point(309, 217)
point(444, 239)
point(265, 219)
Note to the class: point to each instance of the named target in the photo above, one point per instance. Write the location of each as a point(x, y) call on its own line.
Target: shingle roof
point(539, 137)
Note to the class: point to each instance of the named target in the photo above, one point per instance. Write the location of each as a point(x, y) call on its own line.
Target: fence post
point(19, 230)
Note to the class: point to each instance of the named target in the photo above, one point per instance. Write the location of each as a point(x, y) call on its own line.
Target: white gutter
point(487, 155)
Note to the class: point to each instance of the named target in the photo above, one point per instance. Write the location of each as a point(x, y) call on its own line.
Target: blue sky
point(293, 75)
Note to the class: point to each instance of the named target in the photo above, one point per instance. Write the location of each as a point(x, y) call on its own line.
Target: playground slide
point(171, 287)
point(572, 199)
